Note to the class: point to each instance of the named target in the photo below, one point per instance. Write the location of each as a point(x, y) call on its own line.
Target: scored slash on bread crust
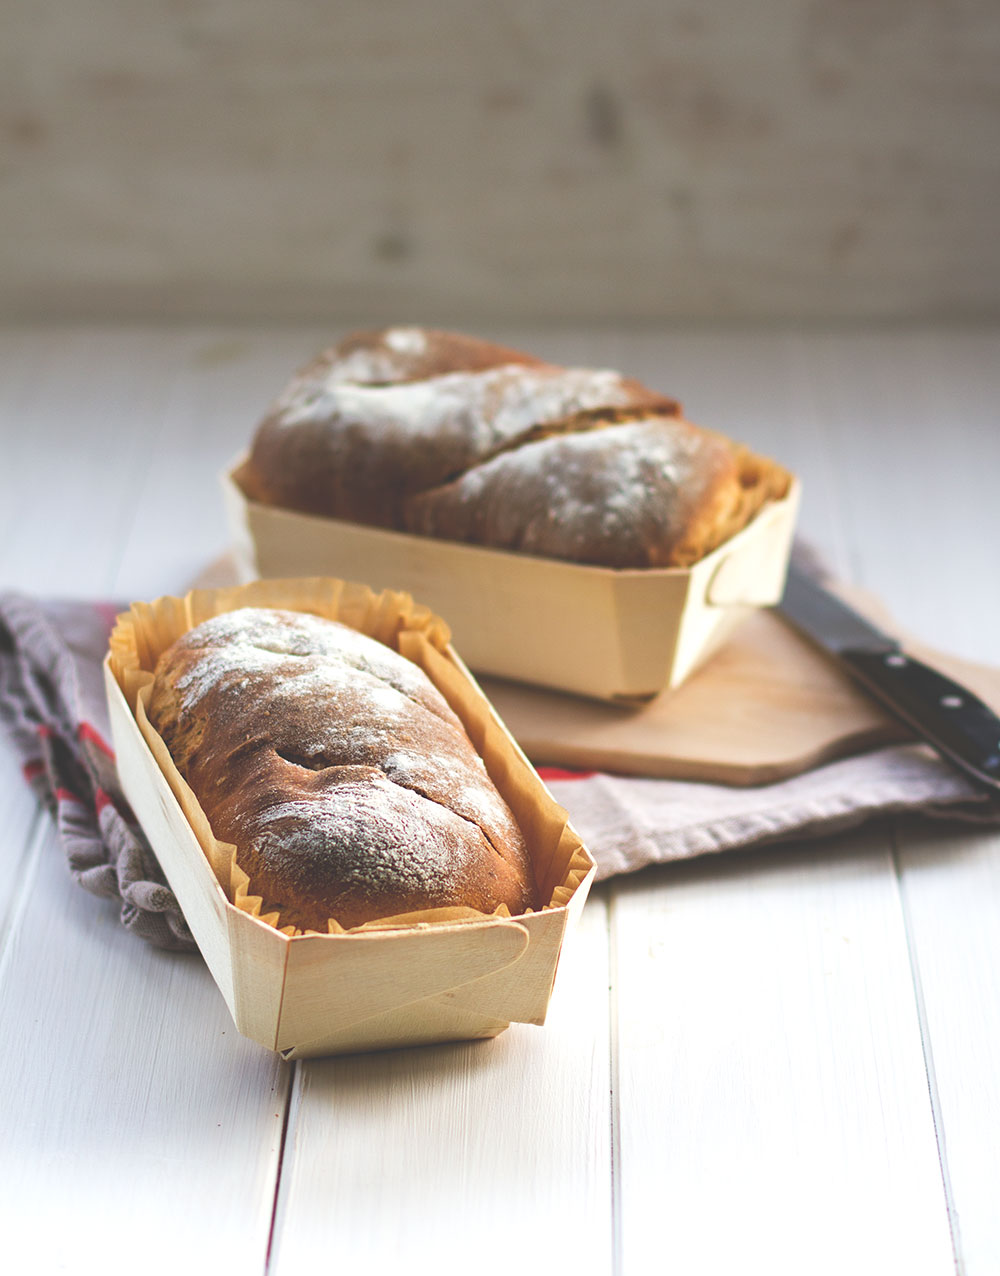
point(634, 493)
point(336, 768)
point(446, 436)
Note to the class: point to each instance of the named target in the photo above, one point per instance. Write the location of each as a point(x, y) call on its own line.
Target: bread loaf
point(371, 423)
point(336, 768)
point(447, 436)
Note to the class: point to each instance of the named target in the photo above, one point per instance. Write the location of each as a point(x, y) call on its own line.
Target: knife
point(964, 730)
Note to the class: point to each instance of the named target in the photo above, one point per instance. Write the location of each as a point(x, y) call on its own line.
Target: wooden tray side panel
point(344, 980)
point(259, 957)
point(649, 614)
point(728, 585)
point(521, 993)
point(589, 630)
point(423, 1023)
point(201, 899)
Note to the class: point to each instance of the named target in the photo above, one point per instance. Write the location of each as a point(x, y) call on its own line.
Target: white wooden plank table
point(781, 1061)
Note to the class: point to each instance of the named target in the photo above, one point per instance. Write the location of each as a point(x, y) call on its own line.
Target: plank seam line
point(29, 861)
point(142, 465)
point(613, 1076)
point(928, 1053)
point(291, 1101)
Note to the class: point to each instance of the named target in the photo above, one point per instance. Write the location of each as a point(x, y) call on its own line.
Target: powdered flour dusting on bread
point(388, 360)
point(337, 769)
point(486, 408)
point(617, 495)
point(411, 342)
point(606, 473)
point(349, 826)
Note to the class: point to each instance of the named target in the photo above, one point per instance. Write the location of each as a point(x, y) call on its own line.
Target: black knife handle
point(945, 714)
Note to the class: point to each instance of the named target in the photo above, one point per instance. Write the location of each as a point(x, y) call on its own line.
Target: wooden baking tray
point(609, 634)
point(370, 987)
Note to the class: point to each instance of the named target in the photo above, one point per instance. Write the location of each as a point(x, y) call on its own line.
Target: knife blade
point(960, 726)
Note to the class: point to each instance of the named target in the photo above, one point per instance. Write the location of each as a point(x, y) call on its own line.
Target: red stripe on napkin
point(558, 773)
point(86, 732)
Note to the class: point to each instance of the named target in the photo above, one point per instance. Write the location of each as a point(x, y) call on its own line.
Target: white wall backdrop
point(459, 161)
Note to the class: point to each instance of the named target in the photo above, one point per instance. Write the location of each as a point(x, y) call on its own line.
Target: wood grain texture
point(951, 895)
point(806, 157)
point(135, 1097)
point(774, 1082)
point(771, 1086)
point(80, 446)
point(138, 1115)
point(223, 380)
point(923, 546)
point(491, 1154)
point(21, 820)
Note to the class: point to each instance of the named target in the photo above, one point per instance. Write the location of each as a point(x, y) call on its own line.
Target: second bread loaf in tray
point(447, 436)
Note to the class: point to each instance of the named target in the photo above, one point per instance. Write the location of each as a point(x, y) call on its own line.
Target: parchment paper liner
point(147, 629)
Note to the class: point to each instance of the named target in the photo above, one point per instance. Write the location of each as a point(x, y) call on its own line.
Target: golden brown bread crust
point(386, 356)
point(345, 781)
point(323, 464)
point(446, 436)
point(658, 483)
point(383, 416)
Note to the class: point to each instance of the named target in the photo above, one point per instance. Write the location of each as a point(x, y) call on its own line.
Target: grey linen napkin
point(52, 702)
point(630, 823)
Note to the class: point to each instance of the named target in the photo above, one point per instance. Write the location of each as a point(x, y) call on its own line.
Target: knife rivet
point(895, 660)
point(951, 702)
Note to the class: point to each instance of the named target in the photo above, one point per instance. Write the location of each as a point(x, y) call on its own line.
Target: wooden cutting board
point(768, 705)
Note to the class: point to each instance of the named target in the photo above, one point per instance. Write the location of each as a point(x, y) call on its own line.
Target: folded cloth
point(53, 704)
point(629, 823)
point(52, 701)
